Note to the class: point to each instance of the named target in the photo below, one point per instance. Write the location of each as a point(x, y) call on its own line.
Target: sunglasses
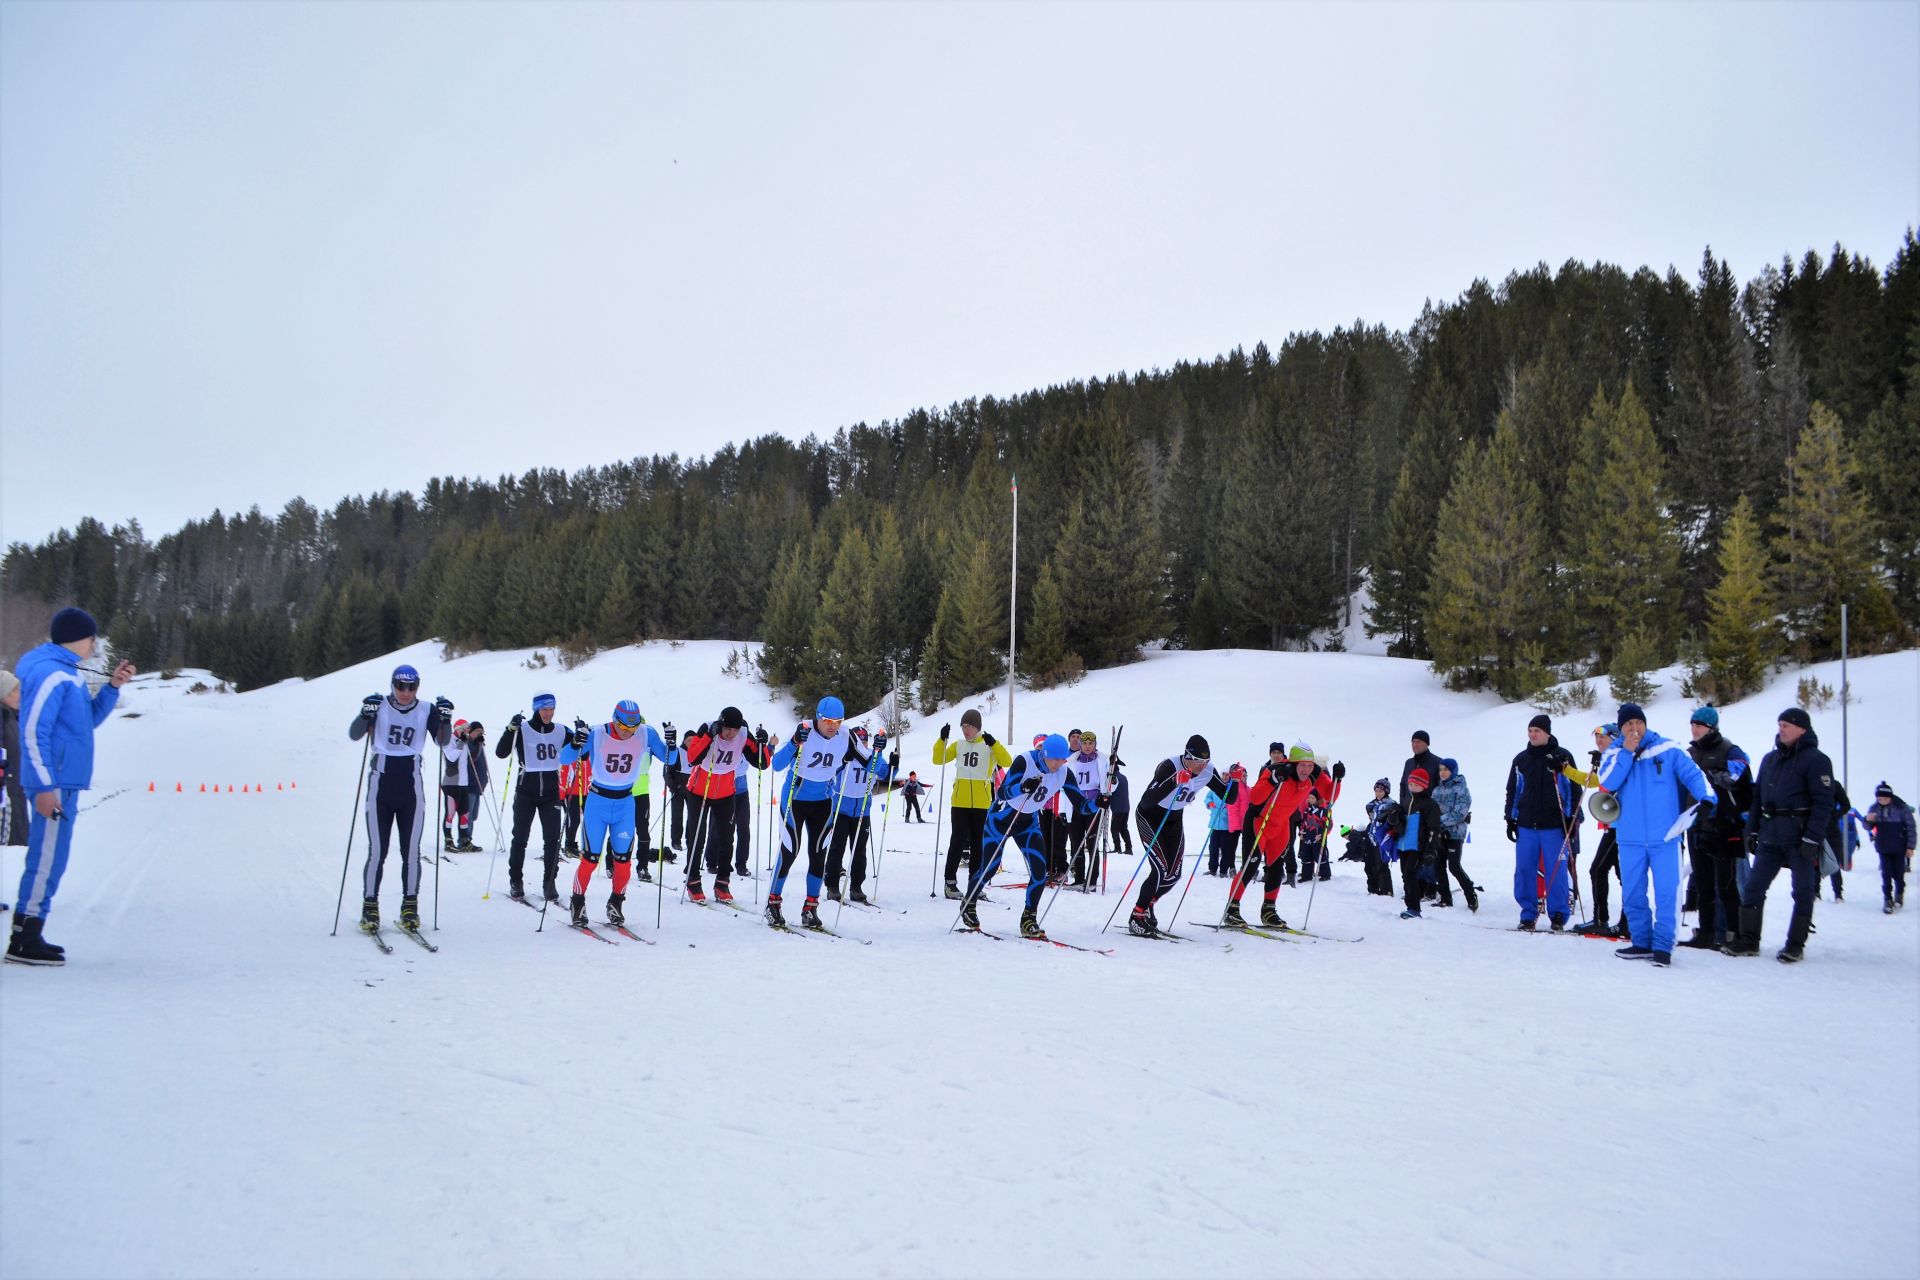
point(406, 684)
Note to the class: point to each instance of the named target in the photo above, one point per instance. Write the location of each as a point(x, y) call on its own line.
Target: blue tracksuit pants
point(1534, 845)
point(1654, 928)
point(607, 816)
point(49, 841)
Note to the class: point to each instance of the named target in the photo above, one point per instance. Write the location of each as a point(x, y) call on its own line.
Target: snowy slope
point(245, 1095)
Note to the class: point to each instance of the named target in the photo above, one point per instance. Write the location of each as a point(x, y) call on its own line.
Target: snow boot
point(953, 890)
point(1790, 955)
point(1596, 929)
point(1269, 918)
point(577, 907)
point(970, 916)
point(1740, 947)
point(1141, 923)
point(833, 892)
point(616, 908)
point(1702, 940)
point(694, 892)
point(773, 915)
point(1557, 923)
point(518, 892)
point(26, 946)
point(1634, 953)
point(1232, 918)
point(722, 891)
point(1030, 924)
point(410, 914)
point(857, 895)
point(1411, 915)
point(1886, 908)
point(1527, 926)
point(1662, 959)
point(810, 914)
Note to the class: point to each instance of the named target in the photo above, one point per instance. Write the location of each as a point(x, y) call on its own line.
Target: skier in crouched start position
point(1176, 783)
point(813, 756)
point(613, 752)
point(400, 724)
point(1030, 785)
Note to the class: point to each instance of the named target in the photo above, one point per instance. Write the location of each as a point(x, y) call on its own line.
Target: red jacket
point(1274, 826)
point(702, 785)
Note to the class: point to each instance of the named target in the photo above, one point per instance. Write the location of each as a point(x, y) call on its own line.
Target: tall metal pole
point(1013, 603)
point(1845, 689)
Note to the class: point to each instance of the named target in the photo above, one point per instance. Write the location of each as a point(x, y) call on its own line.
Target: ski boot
point(810, 914)
point(616, 908)
point(774, 917)
point(970, 916)
point(1269, 918)
point(517, 891)
point(1232, 918)
point(447, 844)
point(1142, 924)
point(410, 914)
point(468, 846)
point(694, 892)
point(1527, 926)
point(577, 907)
point(370, 916)
point(1557, 923)
point(1738, 946)
point(1597, 929)
point(833, 892)
point(953, 891)
point(1030, 924)
point(857, 895)
point(26, 946)
point(572, 850)
point(722, 891)
point(640, 872)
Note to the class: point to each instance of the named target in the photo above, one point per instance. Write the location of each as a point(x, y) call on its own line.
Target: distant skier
point(911, 791)
point(974, 758)
point(714, 752)
point(479, 780)
point(613, 752)
point(812, 758)
point(1177, 781)
point(456, 786)
point(1031, 783)
point(534, 743)
point(401, 725)
point(853, 814)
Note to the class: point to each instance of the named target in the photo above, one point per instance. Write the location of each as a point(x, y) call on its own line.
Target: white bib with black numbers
point(853, 779)
point(457, 773)
point(725, 757)
point(540, 748)
point(1183, 793)
point(972, 761)
point(1050, 784)
point(1086, 774)
point(616, 761)
point(400, 733)
point(818, 758)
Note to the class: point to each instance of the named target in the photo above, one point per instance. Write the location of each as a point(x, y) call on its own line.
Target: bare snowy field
point(214, 1086)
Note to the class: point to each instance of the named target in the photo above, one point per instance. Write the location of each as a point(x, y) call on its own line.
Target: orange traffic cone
point(203, 788)
point(281, 786)
point(229, 788)
point(178, 787)
point(149, 786)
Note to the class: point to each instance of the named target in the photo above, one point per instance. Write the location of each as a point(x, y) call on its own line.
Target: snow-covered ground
point(215, 1086)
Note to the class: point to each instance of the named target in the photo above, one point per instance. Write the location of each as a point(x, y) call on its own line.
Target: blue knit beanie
point(72, 624)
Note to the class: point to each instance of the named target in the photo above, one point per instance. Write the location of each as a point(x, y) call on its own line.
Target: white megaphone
point(1604, 806)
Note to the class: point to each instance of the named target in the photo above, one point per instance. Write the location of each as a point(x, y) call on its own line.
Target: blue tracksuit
point(1015, 817)
point(1653, 785)
point(1542, 806)
point(57, 720)
point(609, 810)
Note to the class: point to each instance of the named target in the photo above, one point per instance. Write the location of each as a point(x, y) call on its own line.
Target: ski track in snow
point(246, 1095)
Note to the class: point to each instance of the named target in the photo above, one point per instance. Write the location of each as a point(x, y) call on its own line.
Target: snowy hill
point(1446, 1097)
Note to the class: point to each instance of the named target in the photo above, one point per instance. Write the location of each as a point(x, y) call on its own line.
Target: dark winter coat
point(1793, 797)
point(1425, 760)
point(1432, 827)
point(1731, 774)
point(1892, 826)
point(1538, 794)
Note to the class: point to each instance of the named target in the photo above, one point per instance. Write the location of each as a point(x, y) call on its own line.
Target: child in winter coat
point(1385, 822)
point(1890, 822)
point(1456, 810)
point(1419, 843)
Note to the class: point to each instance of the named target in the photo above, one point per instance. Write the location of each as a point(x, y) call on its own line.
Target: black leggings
point(848, 829)
point(1450, 850)
point(969, 829)
point(810, 821)
point(1606, 859)
point(1165, 853)
point(525, 805)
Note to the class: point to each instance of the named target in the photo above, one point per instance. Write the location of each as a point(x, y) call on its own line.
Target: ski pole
point(984, 873)
point(500, 811)
point(1314, 883)
point(346, 858)
point(939, 813)
point(443, 844)
point(853, 846)
point(1191, 874)
point(886, 810)
point(1244, 876)
point(778, 867)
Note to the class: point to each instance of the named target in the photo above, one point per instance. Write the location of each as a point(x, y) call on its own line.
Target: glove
point(370, 706)
point(1029, 786)
point(518, 720)
point(1103, 801)
point(1721, 778)
point(704, 731)
point(879, 743)
point(443, 705)
point(893, 762)
point(945, 730)
point(801, 732)
point(579, 725)
point(673, 736)
point(760, 736)
point(1513, 832)
point(1339, 770)
point(579, 738)
point(987, 738)
point(1593, 758)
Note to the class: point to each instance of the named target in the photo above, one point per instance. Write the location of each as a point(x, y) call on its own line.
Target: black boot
point(577, 905)
point(1269, 918)
point(1030, 924)
point(616, 908)
point(1702, 939)
point(970, 916)
point(370, 916)
point(26, 946)
point(953, 890)
point(810, 914)
point(773, 915)
point(410, 913)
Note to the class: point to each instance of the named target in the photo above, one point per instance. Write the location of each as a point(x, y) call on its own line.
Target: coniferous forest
point(1579, 471)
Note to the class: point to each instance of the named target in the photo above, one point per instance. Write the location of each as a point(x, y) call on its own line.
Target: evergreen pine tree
point(618, 620)
point(834, 662)
point(1890, 462)
point(975, 659)
point(1402, 566)
point(1825, 548)
point(1043, 640)
point(936, 655)
point(1114, 593)
point(1206, 626)
point(355, 633)
point(788, 626)
point(1629, 557)
point(1487, 595)
point(1742, 634)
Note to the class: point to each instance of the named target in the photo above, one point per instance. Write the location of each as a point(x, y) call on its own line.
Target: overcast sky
point(249, 252)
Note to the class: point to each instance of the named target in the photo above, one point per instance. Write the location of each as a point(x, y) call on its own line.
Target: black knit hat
point(1420, 735)
point(1796, 716)
point(1542, 722)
